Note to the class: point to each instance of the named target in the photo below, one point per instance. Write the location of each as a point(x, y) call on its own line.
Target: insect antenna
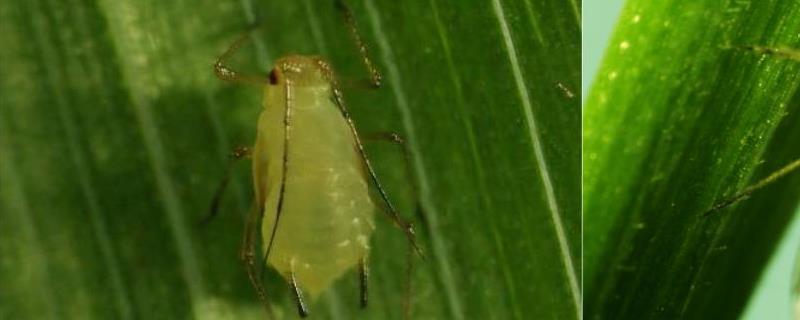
point(350, 21)
point(226, 73)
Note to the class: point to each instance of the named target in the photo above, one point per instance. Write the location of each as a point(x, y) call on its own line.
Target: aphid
point(311, 177)
point(785, 53)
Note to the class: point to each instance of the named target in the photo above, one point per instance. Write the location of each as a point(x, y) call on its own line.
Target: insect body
point(317, 179)
point(311, 178)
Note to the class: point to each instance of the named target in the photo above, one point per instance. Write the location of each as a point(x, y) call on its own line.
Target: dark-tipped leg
point(237, 154)
point(363, 281)
point(302, 309)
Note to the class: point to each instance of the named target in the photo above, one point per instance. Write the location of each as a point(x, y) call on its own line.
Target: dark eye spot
point(273, 77)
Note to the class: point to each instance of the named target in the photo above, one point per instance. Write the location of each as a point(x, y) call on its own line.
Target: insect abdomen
point(327, 214)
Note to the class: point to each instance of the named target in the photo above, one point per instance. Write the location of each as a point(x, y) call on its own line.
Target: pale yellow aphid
point(311, 178)
point(327, 213)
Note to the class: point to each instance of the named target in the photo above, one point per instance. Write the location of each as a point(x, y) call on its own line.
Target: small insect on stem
point(746, 192)
point(312, 179)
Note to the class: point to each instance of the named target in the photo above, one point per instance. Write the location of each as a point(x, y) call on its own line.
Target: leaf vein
point(539, 155)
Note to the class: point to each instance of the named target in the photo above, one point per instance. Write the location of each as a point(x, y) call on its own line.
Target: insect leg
point(248, 254)
point(225, 73)
point(744, 193)
point(302, 309)
point(397, 140)
point(363, 271)
point(350, 21)
point(237, 154)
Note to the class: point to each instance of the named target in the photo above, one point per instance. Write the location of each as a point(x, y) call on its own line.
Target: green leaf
point(682, 116)
point(114, 134)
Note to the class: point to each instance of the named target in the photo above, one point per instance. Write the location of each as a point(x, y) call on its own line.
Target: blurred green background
point(772, 298)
